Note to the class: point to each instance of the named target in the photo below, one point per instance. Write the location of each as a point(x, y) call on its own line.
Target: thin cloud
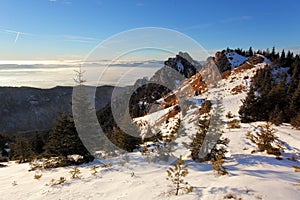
point(236, 19)
point(61, 1)
point(81, 39)
point(198, 26)
point(70, 38)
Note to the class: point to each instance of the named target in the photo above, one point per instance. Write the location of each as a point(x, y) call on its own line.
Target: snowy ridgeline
point(252, 174)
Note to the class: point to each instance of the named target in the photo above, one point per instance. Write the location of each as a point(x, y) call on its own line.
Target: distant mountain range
point(24, 109)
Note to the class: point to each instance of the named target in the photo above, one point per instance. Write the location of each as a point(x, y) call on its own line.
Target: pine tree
point(282, 58)
point(273, 54)
point(279, 92)
point(64, 140)
point(288, 60)
point(295, 76)
point(38, 143)
point(250, 52)
point(217, 165)
point(295, 101)
point(22, 150)
point(176, 176)
point(295, 122)
point(249, 108)
point(84, 114)
point(75, 172)
point(198, 139)
point(265, 139)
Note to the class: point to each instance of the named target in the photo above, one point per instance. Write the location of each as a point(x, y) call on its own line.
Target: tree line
point(275, 91)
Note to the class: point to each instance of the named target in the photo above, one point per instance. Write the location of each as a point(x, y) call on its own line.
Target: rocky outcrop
point(221, 61)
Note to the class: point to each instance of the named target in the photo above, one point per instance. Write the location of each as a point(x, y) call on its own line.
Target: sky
point(70, 29)
point(35, 34)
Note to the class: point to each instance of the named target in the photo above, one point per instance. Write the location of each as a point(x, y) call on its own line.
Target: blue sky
point(70, 29)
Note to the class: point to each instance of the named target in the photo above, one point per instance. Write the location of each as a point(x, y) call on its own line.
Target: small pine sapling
point(217, 165)
point(176, 175)
point(265, 139)
point(75, 172)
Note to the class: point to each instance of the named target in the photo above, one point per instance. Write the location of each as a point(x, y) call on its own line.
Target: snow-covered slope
point(135, 176)
point(235, 59)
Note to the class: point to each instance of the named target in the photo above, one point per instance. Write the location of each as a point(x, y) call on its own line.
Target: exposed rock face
point(168, 78)
point(221, 61)
point(27, 109)
point(184, 64)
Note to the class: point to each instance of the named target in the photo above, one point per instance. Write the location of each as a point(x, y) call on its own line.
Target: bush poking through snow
point(54, 182)
point(132, 174)
point(14, 183)
point(1, 165)
point(266, 140)
point(295, 122)
point(38, 176)
point(75, 172)
point(34, 165)
point(217, 165)
point(235, 123)
point(94, 170)
point(176, 175)
point(45, 163)
point(229, 115)
point(232, 196)
point(106, 165)
point(297, 169)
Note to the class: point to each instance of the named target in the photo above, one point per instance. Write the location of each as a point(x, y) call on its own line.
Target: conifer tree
point(282, 57)
point(248, 109)
point(273, 54)
point(265, 139)
point(295, 76)
point(198, 139)
point(276, 108)
point(295, 101)
point(250, 52)
point(217, 165)
point(22, 150)
point(176, 176)
point(38, 143)
point(84, 114)
point(64, 140)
